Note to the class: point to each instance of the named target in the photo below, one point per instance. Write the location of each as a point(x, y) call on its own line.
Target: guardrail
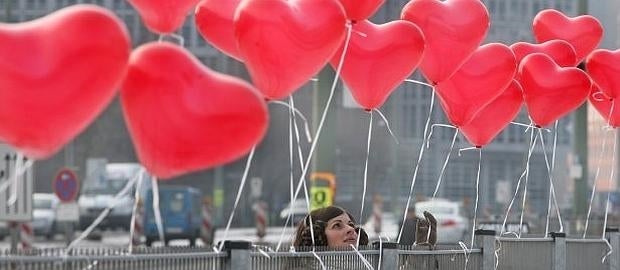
point(555, 252)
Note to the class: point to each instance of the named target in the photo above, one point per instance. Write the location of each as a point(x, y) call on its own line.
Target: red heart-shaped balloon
point(478, 82)
point(493, 118)
point(376, 63)
point(163, 16)
point(183, 117)
point(56, 76)
point(551, 91)
point(214, 20)
point(453, 30)
point(284, 43)
point(603, 66)
point(584, 32)
point(559, 50)
point(604, 106)
point(359, 10)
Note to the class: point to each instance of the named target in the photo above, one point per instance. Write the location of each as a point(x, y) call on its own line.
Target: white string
point(387, 125)
point(557, 207)
point(473, 226)
point(12, 181)
point(417, 166)
point(551, 192)
point(527, 180)
point(174, 36)
point(294, 112)
point(611, 176)
point(157, 210)
point(529, 155)
point(466, 149)
point(364, 261)
point(304, 170)
point(445, 164)
point(319, 259)
point(529, 126)
point(19, 161)
point(600, 96)
point(422, 83)
point(241, 186)
point(432, 130)
point(105, 212)
point(596, 175)
point(137, 200)
point(365, 175)
point(466, 252)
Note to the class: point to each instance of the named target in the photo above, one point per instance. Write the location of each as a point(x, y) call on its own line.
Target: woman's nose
point(351, 229)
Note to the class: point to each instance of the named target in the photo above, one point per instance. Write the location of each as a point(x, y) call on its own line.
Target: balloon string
point(596, 175)
point(136, 207)
point(417, 166)
point(422, 83)
point(157, 210)
point(304, 170)
point(365, 175)
point(473, 226)
point(177, 38)
point(527, 162)
point(291, 180)
point(298, 113)
point(239, 192)
point(430, 135)
point(301, 164)
point(319, 259)
point(460, 152)
point(105, 212)
point(552, 186)
point(611, 176)
point(19, 161)
point(445, 164)
point(11, 181)
point(600, 96)
point(364, 261)
point(387, 125)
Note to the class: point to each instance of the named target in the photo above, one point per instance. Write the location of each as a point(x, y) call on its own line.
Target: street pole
point(580, 148)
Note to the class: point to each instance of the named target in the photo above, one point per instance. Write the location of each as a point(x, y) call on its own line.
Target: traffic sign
point(66, 185)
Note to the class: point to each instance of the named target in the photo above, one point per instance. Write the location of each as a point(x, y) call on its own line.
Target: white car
point(44, 214)
point(389, 228)
point(451, 223)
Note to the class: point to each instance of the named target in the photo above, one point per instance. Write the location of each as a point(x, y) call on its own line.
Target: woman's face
point(340, 231)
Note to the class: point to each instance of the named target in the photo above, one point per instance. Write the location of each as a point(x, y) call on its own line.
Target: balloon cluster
point(57, 76)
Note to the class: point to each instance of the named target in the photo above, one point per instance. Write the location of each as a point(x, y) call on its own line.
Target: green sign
point(321, 197)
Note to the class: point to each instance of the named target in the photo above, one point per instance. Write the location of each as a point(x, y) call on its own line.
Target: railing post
point(559, 250)
point(389, 254)
point(613, 236)
point(485, 240)
point(238, 255)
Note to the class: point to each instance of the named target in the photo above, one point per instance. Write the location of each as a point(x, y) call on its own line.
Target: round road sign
point(66, 185)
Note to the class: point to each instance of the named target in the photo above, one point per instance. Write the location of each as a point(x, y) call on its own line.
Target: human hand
point(426, 230)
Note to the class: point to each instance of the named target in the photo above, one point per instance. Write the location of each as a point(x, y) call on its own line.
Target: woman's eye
point(337, 225)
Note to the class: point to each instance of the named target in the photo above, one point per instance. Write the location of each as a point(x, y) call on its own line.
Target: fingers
point(430, 218)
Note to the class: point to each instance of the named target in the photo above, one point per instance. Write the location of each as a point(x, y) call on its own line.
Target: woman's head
point(332, 227)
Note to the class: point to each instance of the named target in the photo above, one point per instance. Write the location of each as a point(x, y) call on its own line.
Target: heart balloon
point(163, 16)
point(56, 76)
point(493, 118)
point(375, 64)
point(604, 107)
point(583, 32)
point(184, 117)
point(359, 10)
point(559, 50)
point(603, 66)
point(551, 91)
point(214, 20)
point(453, 30)
point(478, 82)
point(284, 43)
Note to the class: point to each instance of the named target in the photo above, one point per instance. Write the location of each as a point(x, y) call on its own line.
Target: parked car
point(451, 222)
point(389, 227)
point(181, 214)
point(44, 214)
point(99, 191)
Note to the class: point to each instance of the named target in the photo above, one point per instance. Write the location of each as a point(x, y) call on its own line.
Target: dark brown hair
point(320, 217)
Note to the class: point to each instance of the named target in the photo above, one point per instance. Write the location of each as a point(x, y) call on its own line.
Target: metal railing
point(556, 253)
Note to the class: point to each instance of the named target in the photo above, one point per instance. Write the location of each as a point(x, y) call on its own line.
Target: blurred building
point(391, 165)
